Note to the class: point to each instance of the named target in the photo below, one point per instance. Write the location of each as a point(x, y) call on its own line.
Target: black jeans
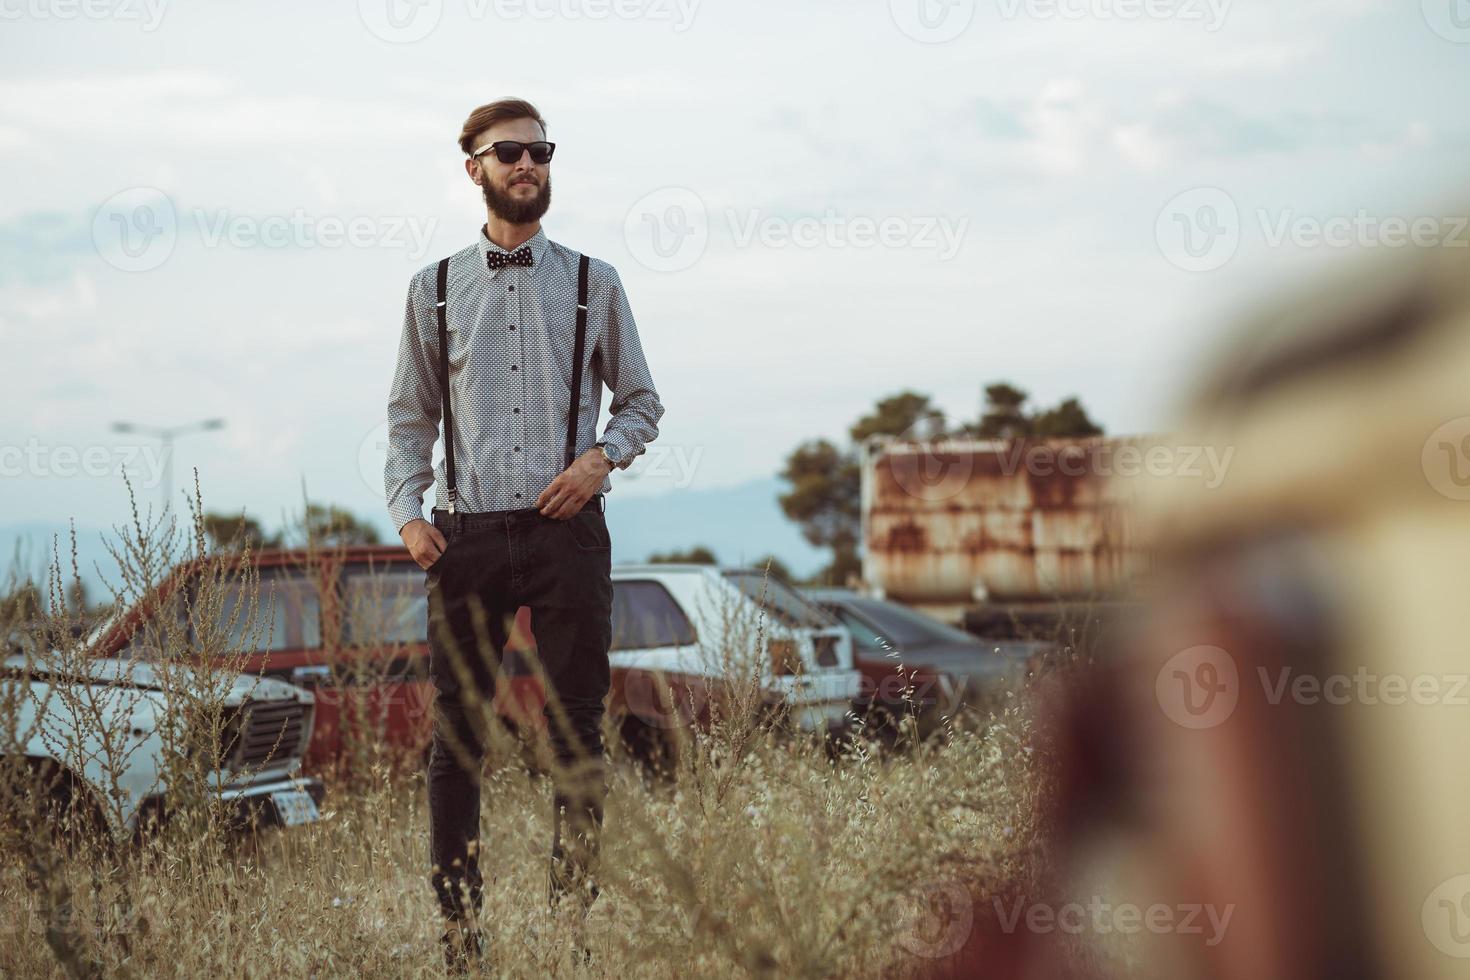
point(561, 569)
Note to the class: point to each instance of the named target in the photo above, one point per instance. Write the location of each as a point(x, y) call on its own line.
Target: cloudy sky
point(214, 209)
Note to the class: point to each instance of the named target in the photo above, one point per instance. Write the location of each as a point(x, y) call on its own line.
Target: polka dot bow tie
point(499, 260)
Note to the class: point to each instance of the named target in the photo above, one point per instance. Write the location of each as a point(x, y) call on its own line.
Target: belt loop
point(602, 503)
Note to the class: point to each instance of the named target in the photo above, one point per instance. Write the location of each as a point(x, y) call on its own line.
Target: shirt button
point(514, 368)
point(517, 411)
point(512, 326)
point(518, 496)
point(518, 449)
point(510, 289)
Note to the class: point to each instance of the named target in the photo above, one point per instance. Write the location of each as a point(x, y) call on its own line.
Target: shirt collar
point(538, 244)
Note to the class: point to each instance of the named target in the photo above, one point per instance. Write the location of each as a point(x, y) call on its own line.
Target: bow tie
point(499, 260)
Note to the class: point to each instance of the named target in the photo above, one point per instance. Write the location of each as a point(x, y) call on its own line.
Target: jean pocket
point(438, 563)
point(588, 531)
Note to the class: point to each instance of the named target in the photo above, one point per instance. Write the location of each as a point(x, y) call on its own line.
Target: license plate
point(295, 806)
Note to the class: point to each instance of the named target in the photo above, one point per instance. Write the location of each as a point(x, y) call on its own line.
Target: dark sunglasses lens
point(508, 151)
point(541, 152)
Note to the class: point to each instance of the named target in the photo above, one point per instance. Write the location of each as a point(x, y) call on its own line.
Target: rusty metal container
point(952, 522)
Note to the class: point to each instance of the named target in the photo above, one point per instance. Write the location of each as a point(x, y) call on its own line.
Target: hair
point(491, 113)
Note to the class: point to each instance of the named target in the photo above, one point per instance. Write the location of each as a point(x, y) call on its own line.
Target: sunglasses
point(509, 151)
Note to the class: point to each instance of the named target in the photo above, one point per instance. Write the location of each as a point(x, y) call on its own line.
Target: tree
point(778, 569)
point(907, 413)
point(823, 501)
point(1067, 419)
point(231, 532)
point(330, 526)
point(1004, 416)
point(697, 555)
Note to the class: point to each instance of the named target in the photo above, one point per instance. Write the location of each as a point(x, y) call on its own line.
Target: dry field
point(760, 852)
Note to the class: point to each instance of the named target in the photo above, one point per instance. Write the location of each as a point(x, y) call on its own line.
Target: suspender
point(579, 346)
point(440, 299)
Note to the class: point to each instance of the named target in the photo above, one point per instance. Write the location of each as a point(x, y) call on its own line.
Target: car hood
point(147, 676)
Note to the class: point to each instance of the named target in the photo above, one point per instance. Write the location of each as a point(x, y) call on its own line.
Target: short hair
point(491, 113)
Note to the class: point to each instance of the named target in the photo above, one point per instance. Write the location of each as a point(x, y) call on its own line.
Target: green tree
point(697, 555)
point(778, 569)
point(907, 413)
point(230, 532)
point(330, 526)
point(823, 501)
point(1067, 419)
point(1004, 416)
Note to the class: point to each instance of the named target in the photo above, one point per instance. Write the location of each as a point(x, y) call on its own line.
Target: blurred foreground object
point(1262, 775)
point(1284, 738)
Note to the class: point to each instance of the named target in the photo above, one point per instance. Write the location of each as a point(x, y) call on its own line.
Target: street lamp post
point(165, 437)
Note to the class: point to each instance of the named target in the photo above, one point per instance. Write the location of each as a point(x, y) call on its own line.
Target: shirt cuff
point(405, 511)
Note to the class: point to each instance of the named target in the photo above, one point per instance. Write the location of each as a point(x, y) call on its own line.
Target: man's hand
point(574, 486)
point(424, 542)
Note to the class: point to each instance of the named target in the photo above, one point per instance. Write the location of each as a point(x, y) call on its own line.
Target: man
point(518, 517)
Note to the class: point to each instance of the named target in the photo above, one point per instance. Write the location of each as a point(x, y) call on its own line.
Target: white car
point(701, 629)
point(103, 726)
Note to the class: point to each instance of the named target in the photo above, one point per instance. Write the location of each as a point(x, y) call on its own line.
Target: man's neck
point(509, 236)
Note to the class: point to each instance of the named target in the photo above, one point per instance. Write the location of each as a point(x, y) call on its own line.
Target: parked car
point(696, 629)
point(350, 626)
point(107, 753)
point(912, 663)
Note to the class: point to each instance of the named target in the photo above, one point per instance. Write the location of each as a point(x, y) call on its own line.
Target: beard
point(517, 212)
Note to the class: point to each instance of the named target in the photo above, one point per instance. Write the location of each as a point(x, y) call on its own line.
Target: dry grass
point(761, 852)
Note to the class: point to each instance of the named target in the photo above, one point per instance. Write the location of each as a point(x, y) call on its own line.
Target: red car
point(349, 625)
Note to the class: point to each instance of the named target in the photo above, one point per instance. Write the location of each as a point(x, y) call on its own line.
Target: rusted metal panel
point(959, 520)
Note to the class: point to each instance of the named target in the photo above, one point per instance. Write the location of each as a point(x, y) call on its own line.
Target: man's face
point(517, 192)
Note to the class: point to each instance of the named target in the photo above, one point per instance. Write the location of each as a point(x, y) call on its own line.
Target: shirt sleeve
point(413, 410)
point(635, 408)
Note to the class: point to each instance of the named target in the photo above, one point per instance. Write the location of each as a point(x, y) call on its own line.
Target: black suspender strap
point(441, 298)
point(578, 346)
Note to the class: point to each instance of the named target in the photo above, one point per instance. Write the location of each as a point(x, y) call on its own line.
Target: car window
point(863, 635)
point(908, 626)
point(781, 602)
point(287, 614)
point(644, 615)
point(158, 631)
point(383, 605)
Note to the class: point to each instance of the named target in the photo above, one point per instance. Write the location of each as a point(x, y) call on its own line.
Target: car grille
point(826, 650)
point(265, 732)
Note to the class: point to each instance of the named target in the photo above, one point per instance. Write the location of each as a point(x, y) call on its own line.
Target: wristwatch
point(612, 460)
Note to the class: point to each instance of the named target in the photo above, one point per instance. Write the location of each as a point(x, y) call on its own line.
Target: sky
point(213, 210)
